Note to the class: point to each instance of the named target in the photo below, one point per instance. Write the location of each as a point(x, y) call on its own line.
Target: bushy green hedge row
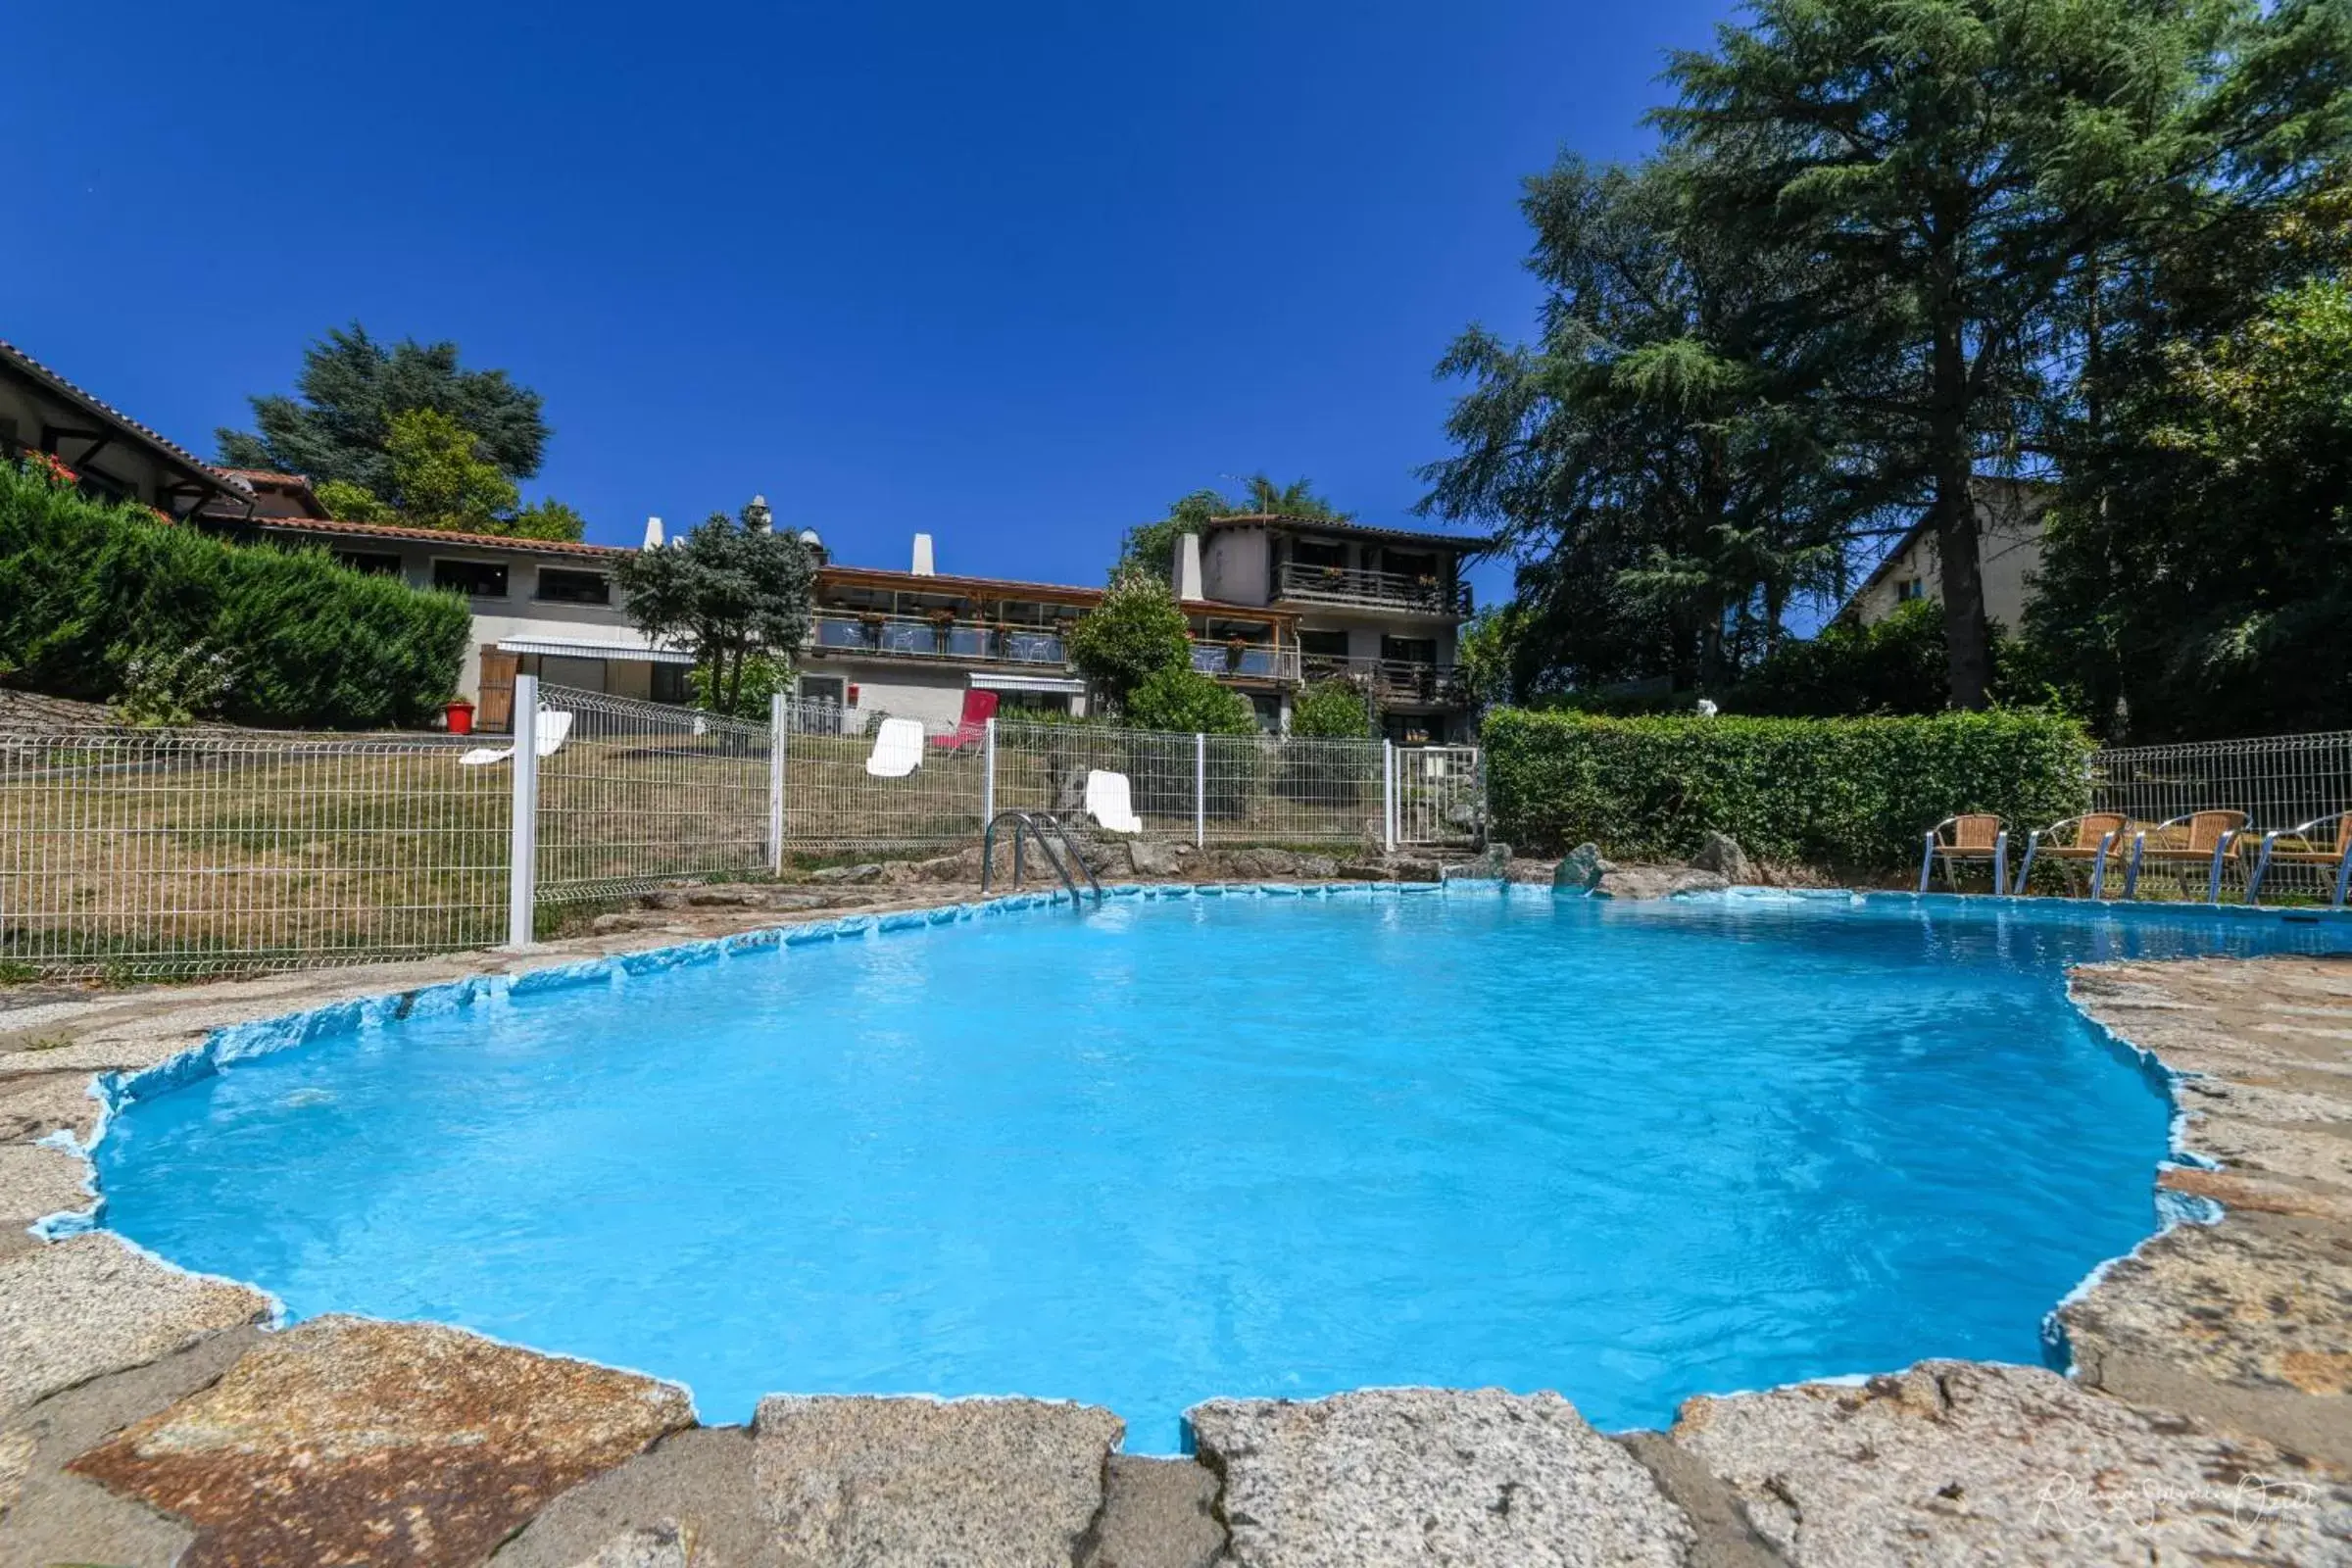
point(103, 602)
point(1850, 793)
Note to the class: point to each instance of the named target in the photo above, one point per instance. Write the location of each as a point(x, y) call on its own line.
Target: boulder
point(1364, 871)
point(871, 871)
point(1722, 855)
point(1656, 882)
point(1146, 858)
point(1581, 871)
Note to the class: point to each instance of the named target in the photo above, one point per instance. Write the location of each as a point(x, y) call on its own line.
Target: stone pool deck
point(150, 1417)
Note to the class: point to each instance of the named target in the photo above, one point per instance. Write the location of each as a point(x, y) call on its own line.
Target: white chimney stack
point(653, 533)
point(758, 513)
point(1188, 568)
point(922, 556)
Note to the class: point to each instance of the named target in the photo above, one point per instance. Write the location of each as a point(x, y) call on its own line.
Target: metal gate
point(1438, 793)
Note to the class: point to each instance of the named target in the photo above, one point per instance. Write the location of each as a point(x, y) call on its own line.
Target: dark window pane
point(575, 587)
point(478, 579)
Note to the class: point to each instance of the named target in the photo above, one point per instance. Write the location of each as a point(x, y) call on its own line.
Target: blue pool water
point(1248, 1146)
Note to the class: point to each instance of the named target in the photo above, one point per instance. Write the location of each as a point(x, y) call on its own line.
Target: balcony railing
point(1376, 590)
point(914, 637)
point(1396, 680)
point(1245, 660)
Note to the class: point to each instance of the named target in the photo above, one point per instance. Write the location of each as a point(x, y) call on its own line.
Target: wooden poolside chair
point(2207, 838)
point(1957, 840)
point(2302, 845)
point(2095, 838)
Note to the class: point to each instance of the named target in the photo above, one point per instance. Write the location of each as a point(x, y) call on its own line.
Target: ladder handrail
point(1023, 819)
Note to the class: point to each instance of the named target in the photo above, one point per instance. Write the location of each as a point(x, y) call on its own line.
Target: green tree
point(1179, 698)
point(1133, 633)
point(1152, 546)
point(1334, 709)
point(338, 424)
point(731, 592)
point(1945, 170)
point(2200, 580)
point(440, 480)
point(545, 519)
point(350, 502)
point(1666, 490)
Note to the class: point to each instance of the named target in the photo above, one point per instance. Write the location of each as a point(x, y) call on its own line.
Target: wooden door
point(494, 710)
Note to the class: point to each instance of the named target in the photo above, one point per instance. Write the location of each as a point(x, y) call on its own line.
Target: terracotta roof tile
point(443, 536)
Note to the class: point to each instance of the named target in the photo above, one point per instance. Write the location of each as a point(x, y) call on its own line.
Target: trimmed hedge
point(92, 594)
point(1853, 792)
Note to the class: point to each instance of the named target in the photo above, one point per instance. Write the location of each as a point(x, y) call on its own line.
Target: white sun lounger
point(897, 749)
point(553, 729)
point(1110, 802)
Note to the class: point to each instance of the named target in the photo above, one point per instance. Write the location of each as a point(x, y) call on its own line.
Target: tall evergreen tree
point(1945, 169)
point(338, 425)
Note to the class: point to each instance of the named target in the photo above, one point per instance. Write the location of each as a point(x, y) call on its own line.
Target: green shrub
point(1136, 631)
point(1852, 793)
point(108, 602)
point(1186, 701)
point(1331, 709)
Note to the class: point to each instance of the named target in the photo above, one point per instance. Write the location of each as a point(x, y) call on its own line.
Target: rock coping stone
point(864, 1482)
point(76, 1309)
point(1965, 1462)
point(1432, 1477)
point(1722, 855)
point(347, 1440)
point(1580, 871)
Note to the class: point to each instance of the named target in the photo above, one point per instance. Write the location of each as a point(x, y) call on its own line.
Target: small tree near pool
point(1136, 632)
point(732, 592)
point(1184, 700)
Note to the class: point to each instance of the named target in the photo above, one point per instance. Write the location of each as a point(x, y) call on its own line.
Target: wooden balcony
point(1371, 590)
point(1396, 682)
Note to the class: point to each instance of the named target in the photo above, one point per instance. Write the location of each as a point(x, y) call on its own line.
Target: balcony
point(1245, 660)
point(1371, 590)
point(1396, 682)
point(915, 637)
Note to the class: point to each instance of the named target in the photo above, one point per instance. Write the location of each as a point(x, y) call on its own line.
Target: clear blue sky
point(1014, 274)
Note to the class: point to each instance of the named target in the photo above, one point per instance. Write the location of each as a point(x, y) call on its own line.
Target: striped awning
point(572, 648)
point(991, 682)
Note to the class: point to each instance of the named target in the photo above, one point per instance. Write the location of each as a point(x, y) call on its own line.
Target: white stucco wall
point(1232, 566)
point(2008, 557)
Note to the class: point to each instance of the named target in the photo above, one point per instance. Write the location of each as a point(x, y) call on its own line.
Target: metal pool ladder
point(1047, 829)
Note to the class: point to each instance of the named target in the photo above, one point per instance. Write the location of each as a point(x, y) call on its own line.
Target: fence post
point(522, 829)
point(1387, 796)
point(988, 773)
point(1200, 790)
point(775, 783)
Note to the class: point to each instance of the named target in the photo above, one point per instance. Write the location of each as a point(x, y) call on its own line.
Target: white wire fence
point(138, 853)
point(2280, 783)
point(152, 854)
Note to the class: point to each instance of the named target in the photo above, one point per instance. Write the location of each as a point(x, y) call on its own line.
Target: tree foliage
point(1152, 546)
point(338, 424)
point(732, 591)
point(1136, 631)
point(402, 433)
point(1332, 709)
point(1890, 248)
point(1180, 699)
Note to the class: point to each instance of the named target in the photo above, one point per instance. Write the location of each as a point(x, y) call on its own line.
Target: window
point(1033, 702)
point(1323, 644)
point(564, 587)
point(1406, 564)
point(476, 580)
point(371, 562)
point(671, 684)
point(581, 674)
point(1910, 588)
point(1409, 650)
point(1318, 553)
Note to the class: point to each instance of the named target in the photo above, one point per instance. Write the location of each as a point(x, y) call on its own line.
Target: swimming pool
point(1185, 1147)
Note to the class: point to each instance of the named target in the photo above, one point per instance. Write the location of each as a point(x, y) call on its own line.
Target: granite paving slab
point(349, 1441)
point(1435, 1477)
point(75, 1309)
point(878, 1483)
point(1965, 1463)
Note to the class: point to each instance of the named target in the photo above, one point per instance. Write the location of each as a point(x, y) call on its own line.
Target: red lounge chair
point(979, 707)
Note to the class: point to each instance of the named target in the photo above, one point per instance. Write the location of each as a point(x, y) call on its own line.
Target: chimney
point(1188, 568)
point(653, 533)
point(922, 556)
point(758, 514)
